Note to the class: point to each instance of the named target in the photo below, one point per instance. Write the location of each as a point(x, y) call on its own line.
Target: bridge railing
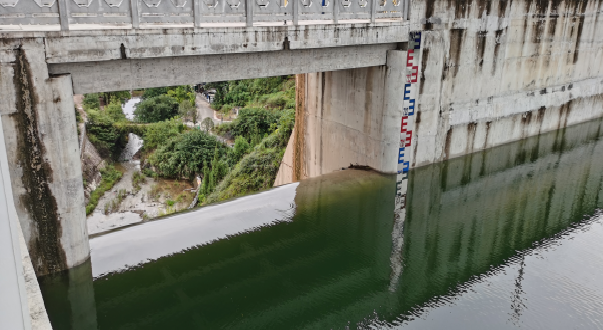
point(194, 12)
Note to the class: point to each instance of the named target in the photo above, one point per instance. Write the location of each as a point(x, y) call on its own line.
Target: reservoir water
point(507, 238)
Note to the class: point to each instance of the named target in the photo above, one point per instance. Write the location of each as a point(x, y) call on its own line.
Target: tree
point(181, 93)
point(255, 122)
point(114, 111)
point(91, 101)
point(156, 109)
point(188, 110)
point(103, 134)
point(183, 155)
point(157, 134)
point(207, 124)
point(241, 147)
point(153, 92)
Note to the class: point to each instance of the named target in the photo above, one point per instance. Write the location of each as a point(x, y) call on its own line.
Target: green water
point(506, 238)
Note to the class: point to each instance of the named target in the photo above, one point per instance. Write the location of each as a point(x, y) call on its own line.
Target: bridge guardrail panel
point(316, 9)
point(389, 8)
point(353, 9)
point(194, 12)
point(272, 10)
point(103, 11)
point(223, 11)
point(29, 12)
point(165, 11)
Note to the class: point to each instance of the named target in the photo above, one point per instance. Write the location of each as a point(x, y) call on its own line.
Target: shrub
point(137, 179)
point(153, 92)
point(101, 131)
point(156, 109)
point(159, 133)
point(109, 176)
point(207, 124)
point(184, 155)
point(90, 101)
point(252, 122)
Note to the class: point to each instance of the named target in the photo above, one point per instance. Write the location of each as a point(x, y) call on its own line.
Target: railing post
point(249, 12)
point(407, 9)
point(373, 10)
point(335, 11)
point(296, 12)
point(63, 15)
point(197, 12)
point(135, 16)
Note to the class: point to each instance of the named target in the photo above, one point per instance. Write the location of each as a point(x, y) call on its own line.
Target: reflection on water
point(503, 238)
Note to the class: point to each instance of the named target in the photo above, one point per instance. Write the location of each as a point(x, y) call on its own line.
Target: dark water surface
point(507, 238)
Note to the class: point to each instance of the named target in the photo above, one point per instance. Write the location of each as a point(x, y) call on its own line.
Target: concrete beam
point(104, 45)
point(103, 76)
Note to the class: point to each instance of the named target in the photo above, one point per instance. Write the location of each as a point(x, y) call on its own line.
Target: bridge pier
point(40, 134)
point(346, 117)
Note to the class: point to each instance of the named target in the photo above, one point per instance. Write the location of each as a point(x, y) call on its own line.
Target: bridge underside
point(103, 76)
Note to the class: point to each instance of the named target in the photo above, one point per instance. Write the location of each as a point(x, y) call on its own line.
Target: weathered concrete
point(181, 70)
point(495, 72)
point(346, 117)
point(42, 149)
point(106, 45)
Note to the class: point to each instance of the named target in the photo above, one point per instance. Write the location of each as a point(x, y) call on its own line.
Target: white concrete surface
point(35, 302)
point(14, 313)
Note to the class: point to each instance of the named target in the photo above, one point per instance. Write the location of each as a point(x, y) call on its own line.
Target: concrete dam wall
point(491, 72)
point(499, 71)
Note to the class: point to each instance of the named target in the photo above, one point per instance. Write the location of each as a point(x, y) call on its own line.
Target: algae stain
point(45, 248)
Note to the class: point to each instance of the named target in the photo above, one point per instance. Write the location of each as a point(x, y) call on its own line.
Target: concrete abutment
point(42, 148)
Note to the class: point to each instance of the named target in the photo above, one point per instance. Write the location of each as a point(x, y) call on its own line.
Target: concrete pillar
point(346, 117)
point(38, 120)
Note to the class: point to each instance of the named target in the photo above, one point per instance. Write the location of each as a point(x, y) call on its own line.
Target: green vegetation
point(207, 124)
point(110, 176)
point(184, 155)
point(159, 133)
point(113, 205)
point(154, 109)
point(104, 135)
point(257, 170)
point(271, 93)
point(171, 150)
point(137, 179)
point(188, 110)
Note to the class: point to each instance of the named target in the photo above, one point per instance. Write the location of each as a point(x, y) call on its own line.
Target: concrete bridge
point(390, 84)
